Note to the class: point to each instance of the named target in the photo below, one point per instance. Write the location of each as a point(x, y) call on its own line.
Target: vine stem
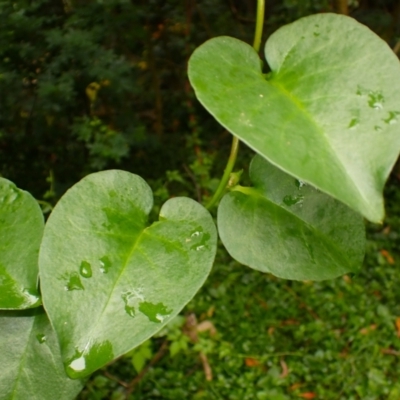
point(235, 141)
point(259, 25)
point(225, 177)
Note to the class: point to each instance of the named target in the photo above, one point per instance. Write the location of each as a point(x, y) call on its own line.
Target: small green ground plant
point(325, 130)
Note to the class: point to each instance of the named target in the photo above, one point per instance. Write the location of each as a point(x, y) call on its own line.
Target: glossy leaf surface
point(328, 113)
point(21, 230)
point(31, 366)
point(109, 281)
point(288, 228)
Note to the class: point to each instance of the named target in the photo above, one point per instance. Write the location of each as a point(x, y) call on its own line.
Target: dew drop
point(85, 269)
point(392, 118)
point(353, 123)
point(160, 317)
point(105, 264)
point(130, 310)
point(292, 200)
point(31, 298)
point(377, 128)
point(79, 364)
point(74, 283)
point(261, 95)
point(198, 238)
point(375, 100)
point(299, 184)
point(131, 298)
point(41, 338)
point(76, 365)
point(85, 361)
point(154, 312)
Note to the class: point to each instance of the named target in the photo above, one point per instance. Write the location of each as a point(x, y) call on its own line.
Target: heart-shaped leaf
point(109, 281)
point(327, 113)
point(31, 366)
point(21, 230)
point(288, 228)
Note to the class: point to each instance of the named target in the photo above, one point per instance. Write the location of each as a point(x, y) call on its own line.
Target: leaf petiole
point(235, 141)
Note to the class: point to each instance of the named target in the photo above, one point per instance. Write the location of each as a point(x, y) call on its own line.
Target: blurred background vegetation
point(87, 85)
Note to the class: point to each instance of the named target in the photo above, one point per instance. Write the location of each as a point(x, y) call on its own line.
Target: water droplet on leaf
point(41, 338)
point(375, 100)
point(88, 360)
point(130, 310)
point(299, 184)
point(74, 283)
point(31, 297)
point(105, 264)
point(79, 364)
point(198, 238)
point(85, 269)
point(392, 118)
point(292, 200)
point(353, 123)
point(160, 317)
point(154, 312)
point(131, 298)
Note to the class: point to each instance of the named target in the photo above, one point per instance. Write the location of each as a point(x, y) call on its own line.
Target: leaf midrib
point(128, 257)
point(134, 246)
point(309, 117)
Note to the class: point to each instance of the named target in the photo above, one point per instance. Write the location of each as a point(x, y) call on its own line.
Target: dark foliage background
point(90, 85)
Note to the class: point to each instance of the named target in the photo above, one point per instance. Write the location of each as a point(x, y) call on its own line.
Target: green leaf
point(174, 348)
point(109, 281)
point(327, 113)
point(288, 228)
point(31, 366)
point(141, 355)
point(21, 230)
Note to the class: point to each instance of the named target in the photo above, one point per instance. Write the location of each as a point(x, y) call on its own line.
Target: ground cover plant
point(325, 131)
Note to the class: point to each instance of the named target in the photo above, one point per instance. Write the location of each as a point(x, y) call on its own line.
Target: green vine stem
point(235, 141)
point(225, 177)
point(259, 25)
